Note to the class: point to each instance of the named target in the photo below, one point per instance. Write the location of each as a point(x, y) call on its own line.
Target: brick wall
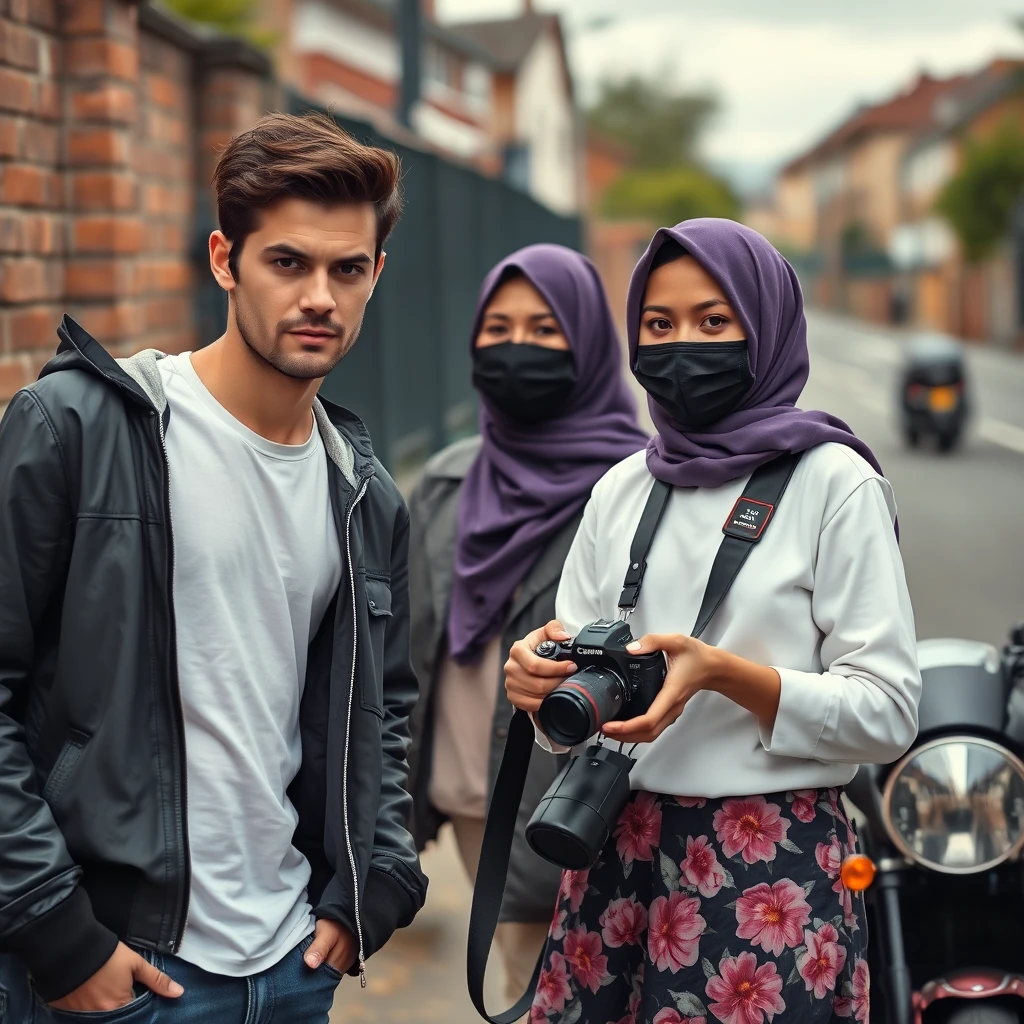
point(111, 115)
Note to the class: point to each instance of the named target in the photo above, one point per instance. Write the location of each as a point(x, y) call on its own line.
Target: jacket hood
point(344, 435)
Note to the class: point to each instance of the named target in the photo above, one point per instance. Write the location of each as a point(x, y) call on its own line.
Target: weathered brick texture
point(111, 117)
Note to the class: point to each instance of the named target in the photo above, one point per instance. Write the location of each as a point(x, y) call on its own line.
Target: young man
point(204, 644)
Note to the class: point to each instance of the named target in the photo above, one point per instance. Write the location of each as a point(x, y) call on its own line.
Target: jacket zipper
point(348, 730)
point(181, 916)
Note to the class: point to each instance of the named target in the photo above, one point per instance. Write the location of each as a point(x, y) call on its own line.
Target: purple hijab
point(528, 481)
point(763, 289)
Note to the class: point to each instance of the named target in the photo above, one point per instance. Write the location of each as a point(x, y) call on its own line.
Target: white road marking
point(1004, 434)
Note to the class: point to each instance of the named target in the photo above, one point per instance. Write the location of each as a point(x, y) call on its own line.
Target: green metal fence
point(408, 376)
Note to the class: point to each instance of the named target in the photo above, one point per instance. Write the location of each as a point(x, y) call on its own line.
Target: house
point(497, 95)
point(534, 119)
point(841, 199)
point(943, 291)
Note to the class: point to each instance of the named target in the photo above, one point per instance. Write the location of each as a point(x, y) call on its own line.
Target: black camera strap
point(745, 526)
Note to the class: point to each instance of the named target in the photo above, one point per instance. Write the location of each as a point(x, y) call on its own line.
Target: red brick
point(18, 9)
point(163, 276)
point(13, 377)
point(26, 279)
point(32, 328)
point(167, 312)
point(43, 13)
point(101, 57)
point(12, 232)
point(16, 91)
point(48, 102)
point(43, 234)
point(98, 190)
point(97, 147)
point(163, 91)
point(85, 18)
point(106, 102)
point(8, 136)
point(97, 279)
point(114, 18)
point(19, 46)
point(23, 185)
point(40, 143)
point(109, 321)
point(107, 235)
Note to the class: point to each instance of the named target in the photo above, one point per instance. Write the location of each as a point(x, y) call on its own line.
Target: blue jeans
point(287, 993)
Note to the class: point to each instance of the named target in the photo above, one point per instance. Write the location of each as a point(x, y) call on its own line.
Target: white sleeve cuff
point(806, 703)
point(544, 743)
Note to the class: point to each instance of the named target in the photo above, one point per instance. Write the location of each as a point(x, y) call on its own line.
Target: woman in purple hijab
point(492, 520)
point(720, 893)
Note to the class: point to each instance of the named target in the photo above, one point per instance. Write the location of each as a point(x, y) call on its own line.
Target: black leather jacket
point(93, 838)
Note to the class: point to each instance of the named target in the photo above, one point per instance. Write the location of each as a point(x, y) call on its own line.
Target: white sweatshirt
point(822, 598)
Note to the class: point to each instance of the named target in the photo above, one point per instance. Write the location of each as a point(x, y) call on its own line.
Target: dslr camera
point(611, 683)
point(577, 814)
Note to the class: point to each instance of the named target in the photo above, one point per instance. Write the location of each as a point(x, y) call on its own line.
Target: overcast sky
point(786, 71)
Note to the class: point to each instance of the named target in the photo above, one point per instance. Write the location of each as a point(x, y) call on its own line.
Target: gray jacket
point(532, 887)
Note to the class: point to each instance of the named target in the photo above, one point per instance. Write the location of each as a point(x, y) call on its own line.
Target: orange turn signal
point(857, 872)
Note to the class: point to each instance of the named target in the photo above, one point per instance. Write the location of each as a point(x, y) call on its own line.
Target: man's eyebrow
point(283, 249)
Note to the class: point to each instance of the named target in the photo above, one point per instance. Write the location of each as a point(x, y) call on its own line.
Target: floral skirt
point(703, 910)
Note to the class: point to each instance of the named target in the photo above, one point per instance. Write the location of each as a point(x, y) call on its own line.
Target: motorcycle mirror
point(1017, 635)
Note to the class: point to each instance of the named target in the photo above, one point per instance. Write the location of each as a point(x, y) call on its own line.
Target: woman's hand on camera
point(694, 666)
point(529, 678)
point(690, 668)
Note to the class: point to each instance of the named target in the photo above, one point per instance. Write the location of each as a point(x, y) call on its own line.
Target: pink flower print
point(773, 916)
point(623, 923)
point(638, 829)
point(751, 827)
point(573, 888)
point(674, 931)
point(700, 867)
point(553, 989)
point(745, 993)
point(558, 924)
point(861, 992)
point(672, 1016)
point(691, 801)
point(830, 860)
point(822, 960)
point(538, 1015)
point(583, 954)
point(842, 1007)
point(804, 805)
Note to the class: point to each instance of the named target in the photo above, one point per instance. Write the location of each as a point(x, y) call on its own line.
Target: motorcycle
point(933, 394)
point(944, 828)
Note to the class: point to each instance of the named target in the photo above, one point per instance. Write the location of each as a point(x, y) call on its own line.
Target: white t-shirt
point(256, 562)
point(822, 598)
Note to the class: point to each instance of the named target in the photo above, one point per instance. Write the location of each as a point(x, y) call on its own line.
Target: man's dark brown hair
point(306, 157)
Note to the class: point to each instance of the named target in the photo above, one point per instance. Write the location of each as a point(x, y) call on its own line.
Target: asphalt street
point(959, 537)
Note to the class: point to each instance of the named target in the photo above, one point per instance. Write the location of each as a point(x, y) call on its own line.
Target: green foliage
point(659, 127)
point(233, 17)
point(979, 202)
point(670, 195)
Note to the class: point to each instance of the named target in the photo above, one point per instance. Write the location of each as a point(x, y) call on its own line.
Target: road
point(959, 537)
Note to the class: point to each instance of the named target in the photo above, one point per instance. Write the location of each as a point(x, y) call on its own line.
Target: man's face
point(304, 278)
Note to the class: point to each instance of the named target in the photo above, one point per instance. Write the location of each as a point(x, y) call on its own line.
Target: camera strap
point(745, 526)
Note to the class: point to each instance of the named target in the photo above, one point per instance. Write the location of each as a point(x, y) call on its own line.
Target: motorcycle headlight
point(956, 805)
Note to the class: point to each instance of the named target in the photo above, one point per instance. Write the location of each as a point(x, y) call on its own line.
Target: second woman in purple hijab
point(492, 520)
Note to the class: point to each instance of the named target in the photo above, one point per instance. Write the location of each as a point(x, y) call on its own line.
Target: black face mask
point(528, 383)
point(695, 382)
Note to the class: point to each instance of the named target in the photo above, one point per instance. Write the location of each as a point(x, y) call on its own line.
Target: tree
point(233, 17)
point(660, 128)
point(979, 202)
point(670, 195)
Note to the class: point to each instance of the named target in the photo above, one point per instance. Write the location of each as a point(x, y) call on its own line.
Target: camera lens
point(578, 708)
